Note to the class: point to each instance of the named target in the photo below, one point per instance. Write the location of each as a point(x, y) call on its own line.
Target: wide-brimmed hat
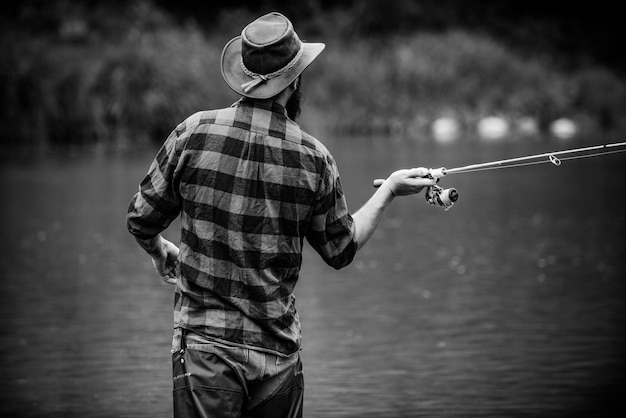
point(267, 57)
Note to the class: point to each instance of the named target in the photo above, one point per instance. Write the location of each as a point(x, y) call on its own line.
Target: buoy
point(527, 126)
point(563, 128)
point(446, 130)
point(492, 128)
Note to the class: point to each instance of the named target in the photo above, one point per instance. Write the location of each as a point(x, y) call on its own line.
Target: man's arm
point(157, 204)
point(399, 183)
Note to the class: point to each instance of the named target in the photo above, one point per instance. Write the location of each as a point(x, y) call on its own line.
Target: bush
point(123, 87)
point(423, 76)
point(135, 79)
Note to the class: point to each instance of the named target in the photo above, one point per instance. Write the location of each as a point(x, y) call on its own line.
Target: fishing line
point(551, 159)
point(550, 155)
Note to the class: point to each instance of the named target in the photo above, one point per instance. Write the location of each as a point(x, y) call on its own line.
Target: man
point(249, 186)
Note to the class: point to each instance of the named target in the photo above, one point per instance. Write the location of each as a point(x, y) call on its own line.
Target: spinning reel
point(437, 195)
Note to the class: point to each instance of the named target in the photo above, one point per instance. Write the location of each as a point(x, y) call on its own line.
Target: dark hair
point(293, 104)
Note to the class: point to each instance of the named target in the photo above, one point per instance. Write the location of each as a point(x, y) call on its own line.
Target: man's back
point(250, 186)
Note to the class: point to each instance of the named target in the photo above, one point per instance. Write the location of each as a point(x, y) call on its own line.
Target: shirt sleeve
point(158, 201)
point(332, 230)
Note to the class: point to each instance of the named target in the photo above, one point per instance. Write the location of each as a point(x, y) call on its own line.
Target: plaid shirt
point(249, 185)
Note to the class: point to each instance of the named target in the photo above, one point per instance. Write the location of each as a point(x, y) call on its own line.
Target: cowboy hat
point(266, 57)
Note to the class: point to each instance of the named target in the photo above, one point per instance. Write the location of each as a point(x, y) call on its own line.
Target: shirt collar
point(267, 104)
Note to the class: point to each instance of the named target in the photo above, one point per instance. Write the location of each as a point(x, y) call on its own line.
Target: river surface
point(510, 304)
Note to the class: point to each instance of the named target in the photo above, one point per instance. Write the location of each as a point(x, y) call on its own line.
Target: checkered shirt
point(249, 186)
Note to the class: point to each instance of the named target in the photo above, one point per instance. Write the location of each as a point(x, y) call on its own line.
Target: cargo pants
point(214, 379)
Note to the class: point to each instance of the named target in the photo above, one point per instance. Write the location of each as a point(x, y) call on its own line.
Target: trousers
point(215, 379)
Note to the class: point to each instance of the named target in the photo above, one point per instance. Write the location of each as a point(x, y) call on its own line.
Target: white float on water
point(527, 125)
point(563, 128)
point(492, 128)
point(446, 130)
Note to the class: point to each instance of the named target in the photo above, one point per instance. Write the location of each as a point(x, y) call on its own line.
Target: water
point(511, 304)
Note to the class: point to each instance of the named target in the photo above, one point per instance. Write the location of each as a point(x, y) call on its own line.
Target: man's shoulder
point(197, 119)
point(309, 141)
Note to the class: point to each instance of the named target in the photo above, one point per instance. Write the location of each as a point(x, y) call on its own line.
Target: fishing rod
point(445, 198)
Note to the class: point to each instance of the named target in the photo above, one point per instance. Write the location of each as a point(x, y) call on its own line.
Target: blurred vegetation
point(126, 72)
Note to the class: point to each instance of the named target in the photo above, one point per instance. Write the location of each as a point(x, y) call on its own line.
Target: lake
point(510, 304)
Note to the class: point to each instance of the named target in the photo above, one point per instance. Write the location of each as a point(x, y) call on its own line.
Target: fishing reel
point(437, 195)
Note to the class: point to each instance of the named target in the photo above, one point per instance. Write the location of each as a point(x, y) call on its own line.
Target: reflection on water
point(509, 304)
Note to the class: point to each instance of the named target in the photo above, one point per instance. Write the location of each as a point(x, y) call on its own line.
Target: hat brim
point(235, 77)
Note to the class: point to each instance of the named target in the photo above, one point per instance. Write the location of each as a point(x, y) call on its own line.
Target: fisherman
point(250, 186)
